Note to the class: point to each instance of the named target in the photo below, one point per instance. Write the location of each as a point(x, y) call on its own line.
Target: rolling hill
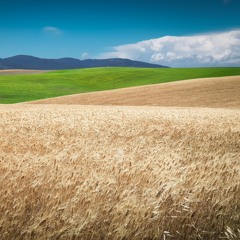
point(30, 62)
point(206, 92)
point(120, 172)
point(22, 88)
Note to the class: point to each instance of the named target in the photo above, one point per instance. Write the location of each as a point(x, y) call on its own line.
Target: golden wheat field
point(95, 172)
point(206, 92)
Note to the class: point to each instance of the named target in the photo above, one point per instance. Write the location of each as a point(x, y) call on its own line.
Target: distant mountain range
point(34, 63)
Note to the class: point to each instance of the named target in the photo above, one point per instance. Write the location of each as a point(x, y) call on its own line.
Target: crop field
point(22, 88)
point(20, 71)
point(162, 165)
point(95, 172)
point(205, 92)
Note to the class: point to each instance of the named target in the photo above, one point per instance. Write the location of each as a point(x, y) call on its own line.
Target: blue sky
point(54, 29)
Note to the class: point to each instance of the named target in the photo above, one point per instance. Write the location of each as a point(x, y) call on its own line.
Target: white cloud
point(216, 49)
point(52, 30)
point(85, 55)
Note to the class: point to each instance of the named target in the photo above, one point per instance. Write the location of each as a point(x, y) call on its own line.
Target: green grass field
point(21, 88)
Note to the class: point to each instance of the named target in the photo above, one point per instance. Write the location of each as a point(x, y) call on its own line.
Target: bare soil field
point(20, 71)
point(96, 172)
point(208, 92)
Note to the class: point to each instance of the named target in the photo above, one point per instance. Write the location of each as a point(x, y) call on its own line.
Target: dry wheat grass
point(74, 172)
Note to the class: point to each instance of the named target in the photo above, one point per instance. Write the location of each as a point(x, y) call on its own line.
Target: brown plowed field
point(20, 71)
point(97, 172)
point(208, 92)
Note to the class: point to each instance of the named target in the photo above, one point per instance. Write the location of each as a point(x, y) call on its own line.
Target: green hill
point(21, 88)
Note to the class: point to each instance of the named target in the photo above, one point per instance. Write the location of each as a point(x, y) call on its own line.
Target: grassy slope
point(19, 88)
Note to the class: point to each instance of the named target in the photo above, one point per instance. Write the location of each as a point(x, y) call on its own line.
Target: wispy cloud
point(216, 49)
point(52, 30)
point(85, 55)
